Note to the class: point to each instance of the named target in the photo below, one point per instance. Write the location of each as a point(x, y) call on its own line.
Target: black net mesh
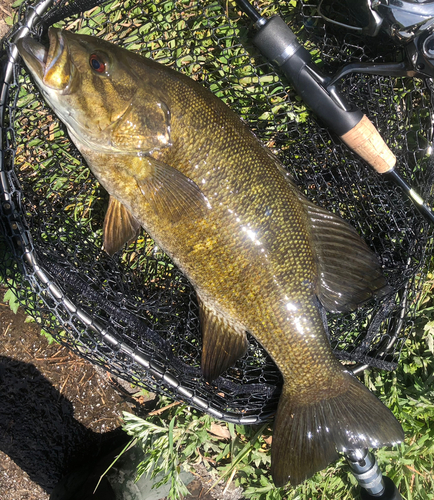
point(135, 314)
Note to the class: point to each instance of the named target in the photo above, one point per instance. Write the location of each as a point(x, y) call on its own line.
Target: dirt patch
point(5, 11)
point(56, 409)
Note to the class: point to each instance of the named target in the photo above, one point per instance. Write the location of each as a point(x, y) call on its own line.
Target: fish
point(261, 257)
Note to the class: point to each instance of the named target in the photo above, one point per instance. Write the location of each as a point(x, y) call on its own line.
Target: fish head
point(94, 88)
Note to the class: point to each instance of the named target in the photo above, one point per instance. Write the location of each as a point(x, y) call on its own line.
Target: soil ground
point(56, 408)
point(5, 11)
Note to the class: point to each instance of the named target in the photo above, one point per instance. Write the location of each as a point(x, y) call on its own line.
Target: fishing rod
point(279, 45)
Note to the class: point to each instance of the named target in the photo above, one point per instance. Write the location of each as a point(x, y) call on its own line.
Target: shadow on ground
point(38, 429)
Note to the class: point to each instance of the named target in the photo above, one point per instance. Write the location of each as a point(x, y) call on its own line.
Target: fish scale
point(262, 258)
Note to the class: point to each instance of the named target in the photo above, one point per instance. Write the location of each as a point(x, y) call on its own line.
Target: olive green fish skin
point(256, 251)
point(250, 257)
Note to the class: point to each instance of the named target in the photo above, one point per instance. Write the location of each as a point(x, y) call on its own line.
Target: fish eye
point(98, 63)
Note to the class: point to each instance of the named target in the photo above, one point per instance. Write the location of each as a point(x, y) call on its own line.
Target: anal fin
point(120, 227)
point(223, 342)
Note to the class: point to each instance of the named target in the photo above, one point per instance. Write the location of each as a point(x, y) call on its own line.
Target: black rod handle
point(279, 45)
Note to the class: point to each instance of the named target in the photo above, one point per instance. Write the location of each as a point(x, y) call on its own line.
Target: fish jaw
point(55, 74)
point(34, 55)
point(52, 68)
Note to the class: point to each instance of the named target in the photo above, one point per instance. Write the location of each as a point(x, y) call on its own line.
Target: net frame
point(58, 287)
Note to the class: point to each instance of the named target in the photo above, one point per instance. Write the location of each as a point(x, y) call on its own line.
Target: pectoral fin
point(223, 343)
point(171, 194)
point(120, 227)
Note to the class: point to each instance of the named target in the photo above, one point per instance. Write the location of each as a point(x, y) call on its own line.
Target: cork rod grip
point(365, 140)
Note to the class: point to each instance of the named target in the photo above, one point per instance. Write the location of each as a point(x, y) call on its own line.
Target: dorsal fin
point(349, 272)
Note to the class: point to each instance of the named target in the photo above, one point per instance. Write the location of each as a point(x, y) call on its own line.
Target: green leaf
point(11, 298)
point(172, 424)
point(48, 336)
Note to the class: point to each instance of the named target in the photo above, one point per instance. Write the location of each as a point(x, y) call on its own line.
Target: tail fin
point(307, 436)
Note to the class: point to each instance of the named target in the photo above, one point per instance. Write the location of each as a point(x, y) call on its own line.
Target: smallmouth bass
point(178, 162)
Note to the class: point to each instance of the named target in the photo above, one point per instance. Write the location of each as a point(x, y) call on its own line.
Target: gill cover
point(145, 129)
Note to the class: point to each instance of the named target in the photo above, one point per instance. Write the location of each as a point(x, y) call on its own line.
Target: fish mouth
point(34, 55)
point(52, 66)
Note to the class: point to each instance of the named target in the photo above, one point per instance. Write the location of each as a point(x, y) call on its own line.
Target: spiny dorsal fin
point(223, 342)
point(120, 227)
